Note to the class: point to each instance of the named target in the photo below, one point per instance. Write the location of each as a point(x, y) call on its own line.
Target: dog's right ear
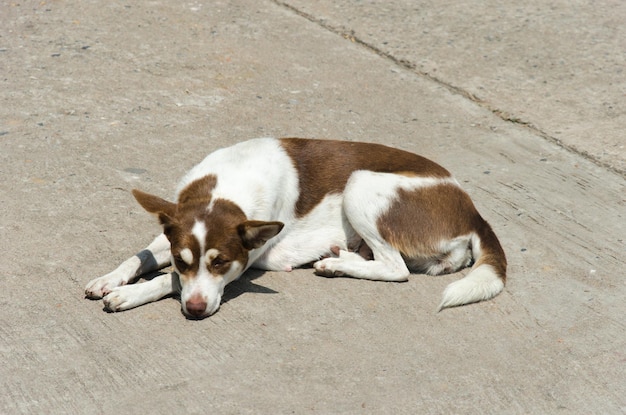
point(162, 208)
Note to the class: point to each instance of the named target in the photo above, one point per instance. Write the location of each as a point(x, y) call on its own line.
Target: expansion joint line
point(412, 67)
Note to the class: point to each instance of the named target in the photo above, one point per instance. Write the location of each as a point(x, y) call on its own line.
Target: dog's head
point(210, 241)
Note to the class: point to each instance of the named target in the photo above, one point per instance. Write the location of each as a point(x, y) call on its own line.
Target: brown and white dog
point(354, 209)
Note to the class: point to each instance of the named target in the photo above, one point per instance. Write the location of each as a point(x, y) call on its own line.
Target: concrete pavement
point(97, 99)
point(557, 68)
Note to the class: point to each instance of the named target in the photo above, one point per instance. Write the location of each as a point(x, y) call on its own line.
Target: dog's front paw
point(121, 298)
point(100, 287)
point(328, 267)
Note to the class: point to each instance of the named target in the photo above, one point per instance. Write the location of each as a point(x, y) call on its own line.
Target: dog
point(351, 209)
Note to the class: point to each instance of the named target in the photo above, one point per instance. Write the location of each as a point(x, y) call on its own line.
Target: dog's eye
point(219, 262)
point(180, 264)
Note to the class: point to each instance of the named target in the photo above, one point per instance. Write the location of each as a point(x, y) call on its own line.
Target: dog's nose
point(195, 307)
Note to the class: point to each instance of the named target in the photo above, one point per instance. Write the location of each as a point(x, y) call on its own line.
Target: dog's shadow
point(245, 285)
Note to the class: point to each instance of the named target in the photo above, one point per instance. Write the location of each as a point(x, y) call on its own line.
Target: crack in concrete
point(350, 35)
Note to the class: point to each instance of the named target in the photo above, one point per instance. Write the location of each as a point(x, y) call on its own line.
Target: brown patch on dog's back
point(324, 166)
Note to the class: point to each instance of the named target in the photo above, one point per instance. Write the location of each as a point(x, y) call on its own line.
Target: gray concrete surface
point(558, 67)
point(97, 98)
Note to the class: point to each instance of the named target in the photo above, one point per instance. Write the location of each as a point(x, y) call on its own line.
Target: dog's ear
point(162, 208)
point(254, 233)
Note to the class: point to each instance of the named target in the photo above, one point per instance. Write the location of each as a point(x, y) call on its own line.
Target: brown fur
point(221, 221)
point(317, 178)
point(493, 254)
point(419, 220)
point(228, 230)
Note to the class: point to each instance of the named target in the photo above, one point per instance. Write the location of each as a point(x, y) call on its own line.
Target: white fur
point(210, 255)
point(130, 296)
point(204, 287)
point(154, 257)
point(199, 231)
point(187, 256)
point(482, 283)
point(307, 238)
point(380, 191)
point(257, 175)
point(459, 255)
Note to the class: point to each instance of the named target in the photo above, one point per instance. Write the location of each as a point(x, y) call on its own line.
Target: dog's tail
point(486, 278)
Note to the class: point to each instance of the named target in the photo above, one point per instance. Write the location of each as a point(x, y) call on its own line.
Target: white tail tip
point(481, 284)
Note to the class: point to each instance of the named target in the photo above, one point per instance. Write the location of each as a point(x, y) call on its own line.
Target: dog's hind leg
point(130, 296)
point(154, 257)
point(388, 264)
point(366, 196)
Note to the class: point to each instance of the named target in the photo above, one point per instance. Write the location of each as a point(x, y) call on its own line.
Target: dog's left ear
point(254, 233)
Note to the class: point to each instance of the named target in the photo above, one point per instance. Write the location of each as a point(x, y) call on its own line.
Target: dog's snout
point(196, 307)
